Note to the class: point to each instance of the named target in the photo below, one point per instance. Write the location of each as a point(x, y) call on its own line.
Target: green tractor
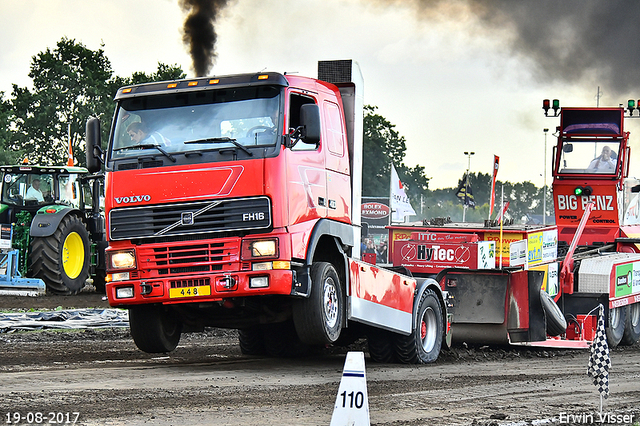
point(58, 224)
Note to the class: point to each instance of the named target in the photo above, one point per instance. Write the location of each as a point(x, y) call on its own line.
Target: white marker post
point(352, 401)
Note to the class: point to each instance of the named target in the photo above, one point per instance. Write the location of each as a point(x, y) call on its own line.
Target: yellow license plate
point(201, 290)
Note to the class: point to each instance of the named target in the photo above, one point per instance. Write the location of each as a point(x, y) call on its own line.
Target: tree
point(70, 83)
point(383, 146)
point(6, 114)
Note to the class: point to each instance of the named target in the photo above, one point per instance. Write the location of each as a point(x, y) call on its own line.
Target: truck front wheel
point(318, 319)
point(154, 329)
point(632, 327)
point(423, 345)
point(615, 329)
point(62, 259)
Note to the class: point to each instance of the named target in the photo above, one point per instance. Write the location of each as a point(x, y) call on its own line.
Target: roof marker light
point(263, 77)
point(214, 81)
point(192, 83)
point(172, 85)
point(128, 90)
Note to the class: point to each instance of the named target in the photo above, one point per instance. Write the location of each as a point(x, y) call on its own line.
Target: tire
point(282, 341)
point(154, 329)
point(615, 329)
point(631, 333)
point(62, 259)
point(556, 322)
point(318, 319)
point(251, 341)
point(381, 346)
point(423, 345)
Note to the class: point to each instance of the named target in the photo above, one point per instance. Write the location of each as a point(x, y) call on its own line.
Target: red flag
point(496, 161)
point(503, 211)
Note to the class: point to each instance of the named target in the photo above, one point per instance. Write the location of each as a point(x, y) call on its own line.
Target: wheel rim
point(428, 329)
point(330, 301)
point(73, 255)
point(614, 318)
point(634, 313)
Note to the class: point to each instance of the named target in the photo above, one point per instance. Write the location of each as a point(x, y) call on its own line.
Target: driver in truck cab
point(605, 162)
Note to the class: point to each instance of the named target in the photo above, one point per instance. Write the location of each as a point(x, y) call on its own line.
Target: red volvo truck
point(233, 202)
point(547, 281)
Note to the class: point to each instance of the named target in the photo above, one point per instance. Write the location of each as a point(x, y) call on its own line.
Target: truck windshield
point(590, 156)
point(236, 119)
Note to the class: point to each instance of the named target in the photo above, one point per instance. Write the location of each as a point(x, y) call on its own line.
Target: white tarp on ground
point(67, 319)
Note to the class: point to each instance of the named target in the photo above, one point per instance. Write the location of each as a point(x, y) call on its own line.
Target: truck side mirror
point(310, 122)
point(567, 147)
point(93, 146)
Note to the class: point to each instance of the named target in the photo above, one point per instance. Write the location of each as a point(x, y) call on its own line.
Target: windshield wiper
point(147, 146)
point(222, 140)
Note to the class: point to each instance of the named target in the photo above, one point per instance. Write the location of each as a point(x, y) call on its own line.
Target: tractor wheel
point(422, 346)
point(632, 327)
point(154, 329)
point(251, 341)
point(318, 319)
point(62, 259)
point(615, 329)
point(556, 323)
point(381, 346)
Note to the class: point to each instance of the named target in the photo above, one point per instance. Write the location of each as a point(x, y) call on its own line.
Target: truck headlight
point(122, 259)
point(252, 249)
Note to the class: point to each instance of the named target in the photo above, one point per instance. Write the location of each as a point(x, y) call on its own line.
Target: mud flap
point(526, 322)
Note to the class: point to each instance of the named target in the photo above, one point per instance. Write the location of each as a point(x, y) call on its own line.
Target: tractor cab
point(29, 188)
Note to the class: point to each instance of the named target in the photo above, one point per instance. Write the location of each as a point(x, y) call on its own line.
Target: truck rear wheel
point(422, 346)
point(632, 326)
point(381, 346)
point(318, 319)
point(615, 329)
point(154, 329)
point(62, 259)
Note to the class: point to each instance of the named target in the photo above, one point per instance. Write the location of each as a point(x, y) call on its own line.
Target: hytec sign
point(432, 257)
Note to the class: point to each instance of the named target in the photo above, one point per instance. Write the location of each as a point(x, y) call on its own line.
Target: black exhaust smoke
point(199, 33)
point(592, 42)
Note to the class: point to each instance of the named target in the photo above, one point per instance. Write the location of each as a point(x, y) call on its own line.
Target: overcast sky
point(451, 77)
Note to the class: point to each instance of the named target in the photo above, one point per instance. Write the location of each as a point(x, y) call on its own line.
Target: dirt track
point(101, 375)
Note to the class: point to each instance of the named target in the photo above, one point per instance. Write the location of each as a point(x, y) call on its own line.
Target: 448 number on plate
point(202, 290)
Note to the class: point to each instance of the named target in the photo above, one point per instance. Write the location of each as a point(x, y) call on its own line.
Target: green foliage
point(70, 84)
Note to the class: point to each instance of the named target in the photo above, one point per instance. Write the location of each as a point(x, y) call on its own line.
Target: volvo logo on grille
point(186, 218)
point(132, 199)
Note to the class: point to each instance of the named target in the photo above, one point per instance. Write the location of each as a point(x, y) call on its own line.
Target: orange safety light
point(128, 90)
point(214, 81)
point(192, 83)
point(263, 77)
point(172, 85)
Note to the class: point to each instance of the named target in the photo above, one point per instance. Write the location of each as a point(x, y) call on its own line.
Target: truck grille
point(190, 258)
point(168, 220)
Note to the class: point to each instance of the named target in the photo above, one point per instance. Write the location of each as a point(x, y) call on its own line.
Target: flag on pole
point(400, 204)
point(465, 194)
point(70, 157)
point(502, 212)
point(496, 161)
point(599, 360)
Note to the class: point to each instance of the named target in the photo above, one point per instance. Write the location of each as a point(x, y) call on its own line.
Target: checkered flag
point(599, 360)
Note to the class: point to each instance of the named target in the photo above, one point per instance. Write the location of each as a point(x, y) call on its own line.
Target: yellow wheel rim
point(73, 255)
